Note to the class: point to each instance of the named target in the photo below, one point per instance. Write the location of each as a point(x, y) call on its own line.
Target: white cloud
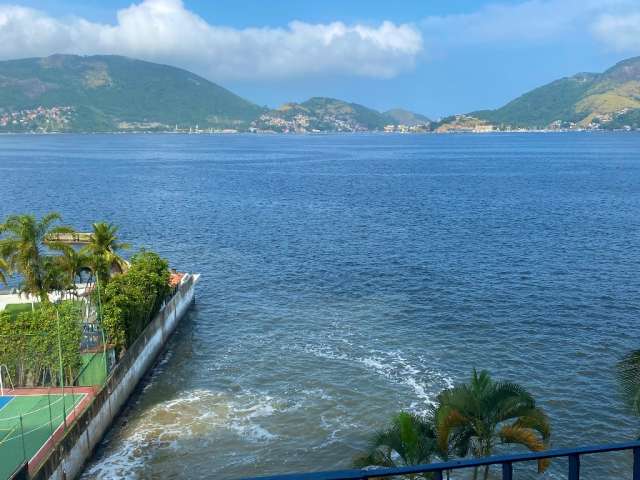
point(612, 23)
point(619, 32)
point(165, 31)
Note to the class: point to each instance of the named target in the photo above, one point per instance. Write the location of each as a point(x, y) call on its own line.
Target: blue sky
point(435, 58)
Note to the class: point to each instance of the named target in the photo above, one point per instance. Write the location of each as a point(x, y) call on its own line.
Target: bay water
point(348, 277)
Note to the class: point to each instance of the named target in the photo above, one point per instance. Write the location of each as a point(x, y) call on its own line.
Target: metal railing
point(504, 461)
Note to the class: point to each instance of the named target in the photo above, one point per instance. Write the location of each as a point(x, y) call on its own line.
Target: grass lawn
point(14, 309)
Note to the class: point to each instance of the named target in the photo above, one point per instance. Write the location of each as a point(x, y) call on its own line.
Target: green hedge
point(130, 300)
point(29, 344)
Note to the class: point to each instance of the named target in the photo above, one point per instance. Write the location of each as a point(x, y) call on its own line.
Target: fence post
point(507, 471)
point(24, 450)
point(64, 409)
point(50, 415)
point(574, 467)
point(438, 475)
point(636, 463)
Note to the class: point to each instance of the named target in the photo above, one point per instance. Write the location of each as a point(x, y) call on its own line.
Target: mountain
point(71, 93)
point(322, 114)
point(405, 117)
point(111, 93)
point(592, 100)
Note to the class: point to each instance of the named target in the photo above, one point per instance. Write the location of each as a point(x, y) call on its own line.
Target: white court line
point(12, 397)
point(61, 426)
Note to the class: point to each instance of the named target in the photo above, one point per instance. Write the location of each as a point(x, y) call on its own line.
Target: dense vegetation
point(582, 98)
point(323, 107)
point(35, 338)
point(630, 119)
point(469, 420)
point(22, 249)
point(130, 300)
point(101, 254)
point(31, 344)
point(105, 93)
point(108, 93)
point(112, 93)
point(542, 106)
point(326, 114)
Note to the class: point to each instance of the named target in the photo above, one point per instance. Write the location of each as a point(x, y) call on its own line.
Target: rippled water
point(347, 277)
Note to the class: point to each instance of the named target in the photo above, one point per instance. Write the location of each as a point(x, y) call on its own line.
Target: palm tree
point(103, 249)
point(411, 440)
point(629, 380)
point(23, 249)
point(473, 418)
point(55, 277)
point(72, 263)
point(4, 271)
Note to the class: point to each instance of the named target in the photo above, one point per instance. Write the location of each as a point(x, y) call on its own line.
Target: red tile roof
point(175, 279)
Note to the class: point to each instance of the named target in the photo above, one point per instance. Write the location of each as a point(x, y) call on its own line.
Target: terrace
point(438, 471)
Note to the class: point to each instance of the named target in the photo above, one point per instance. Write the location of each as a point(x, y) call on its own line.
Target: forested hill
point(606, 99)
point(70, 93)
point(110, 93)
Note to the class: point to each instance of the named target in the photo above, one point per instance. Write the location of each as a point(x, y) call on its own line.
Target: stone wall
point(67, 459)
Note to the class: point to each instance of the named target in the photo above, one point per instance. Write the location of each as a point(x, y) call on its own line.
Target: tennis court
point(29, 421)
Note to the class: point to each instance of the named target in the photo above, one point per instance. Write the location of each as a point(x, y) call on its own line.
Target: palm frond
point(447, 420)
point(507, 399)
point(527, 438)
point(23, 249)
point(376, 458)
point(470, 416)
point(409, 440)
point(44, 225)
point(4, 271)
point(536, 420)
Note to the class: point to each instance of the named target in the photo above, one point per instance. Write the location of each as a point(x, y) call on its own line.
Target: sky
point(432, 57)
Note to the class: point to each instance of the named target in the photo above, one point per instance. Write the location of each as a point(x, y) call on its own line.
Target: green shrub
point(130, 300)
point(29, 344)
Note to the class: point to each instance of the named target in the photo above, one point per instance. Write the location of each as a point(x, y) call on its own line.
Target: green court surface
point(41, 416)
point(93, 371)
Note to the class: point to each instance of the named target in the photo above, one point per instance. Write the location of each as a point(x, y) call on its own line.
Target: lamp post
point(64, 408)
point(99, 318)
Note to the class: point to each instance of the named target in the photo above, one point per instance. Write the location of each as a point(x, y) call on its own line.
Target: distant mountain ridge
point(322, 114)
point(405, 117)
point(113, 93)
point(587, 100)
point(108, 93)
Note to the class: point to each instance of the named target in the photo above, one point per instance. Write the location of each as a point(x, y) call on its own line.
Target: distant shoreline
point(301, 134)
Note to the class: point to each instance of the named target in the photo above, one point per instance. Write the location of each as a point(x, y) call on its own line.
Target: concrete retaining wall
point(66, 461)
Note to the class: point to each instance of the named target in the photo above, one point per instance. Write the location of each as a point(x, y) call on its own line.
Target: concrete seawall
point(67, 459)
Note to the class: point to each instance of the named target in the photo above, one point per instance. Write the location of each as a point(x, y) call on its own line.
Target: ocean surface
point(347, 277)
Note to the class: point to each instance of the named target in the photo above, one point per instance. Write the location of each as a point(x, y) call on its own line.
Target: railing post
point(24, 449)
point(574, 467)
point(507, 471)
point(438, 475)
point(636, 463)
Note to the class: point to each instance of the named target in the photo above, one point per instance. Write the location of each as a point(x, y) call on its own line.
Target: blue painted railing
point(504, 461)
